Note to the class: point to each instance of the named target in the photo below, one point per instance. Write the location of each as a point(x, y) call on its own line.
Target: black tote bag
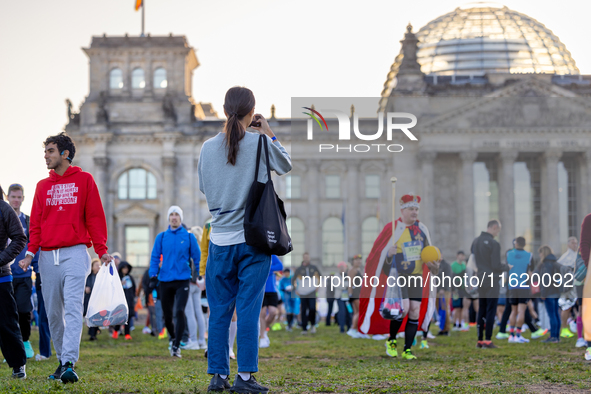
point(264, 214)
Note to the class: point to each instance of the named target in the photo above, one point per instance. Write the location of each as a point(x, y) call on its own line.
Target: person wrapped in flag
point(418, 300)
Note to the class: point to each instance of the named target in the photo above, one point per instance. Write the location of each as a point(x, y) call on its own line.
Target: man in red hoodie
point(66, 219)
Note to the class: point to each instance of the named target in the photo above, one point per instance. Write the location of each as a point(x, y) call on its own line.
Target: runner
point(409, 232)
point(288, 297)
point(11, 340)
point(21, 280)
point(550, 266)
point(270, 303)
point(342, 296)
point(193, 310)
point(585, 250)
point(129, 288)
point(354, 292)
point(459, 295)
point(522, 263)
point(569, 297)
point(95, 265)
point(307, 292)
point(66, 219)
point(176, 246)
point(236, 271)
point(487, 254)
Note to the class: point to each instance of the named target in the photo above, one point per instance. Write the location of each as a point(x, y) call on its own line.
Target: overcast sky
point(279, 49)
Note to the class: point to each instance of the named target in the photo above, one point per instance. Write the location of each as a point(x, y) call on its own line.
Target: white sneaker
point(465, 327)
point(232, 355)
point(520, 339)
point(573, 326)
point(264, 342)
point(581, 342)
point(39, 357)
point(202, 345)
point(380, 337)
point(313, 330)
point(146, 330)
point(512, 339)
point(430, 336)
point(352, 333)
point(363, 336)
point(191, 345)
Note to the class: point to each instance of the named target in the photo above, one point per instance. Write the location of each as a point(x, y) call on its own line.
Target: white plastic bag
point(107, 305)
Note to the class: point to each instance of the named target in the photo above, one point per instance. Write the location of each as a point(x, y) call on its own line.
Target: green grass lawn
point(325, 362)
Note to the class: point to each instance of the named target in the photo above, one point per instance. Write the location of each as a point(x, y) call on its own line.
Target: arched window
point(160, 81)
point(369, 232)
point(137, 79)
point(116, 79)
point(332, 242)
point(137, 184)
point(295, 227)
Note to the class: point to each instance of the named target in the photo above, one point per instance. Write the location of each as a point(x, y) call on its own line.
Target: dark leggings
point(308, 309)
point(169, 292)
point(527, 320)
point(487, 309)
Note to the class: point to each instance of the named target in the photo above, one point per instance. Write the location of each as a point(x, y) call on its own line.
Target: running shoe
point(276, 327)
point(217, 383)
point(40, 357)
point(379, 337)
point(146, 330)
point(512, 339)
point(407, 355)
point(115, 334)
point(202, 345)
point(232, 355)
point(424, 344)
point(312, 331)
point(68, 374)
point(30, 353)
point(588, 354)
point(489, 345)
point(539, 333)
point(581, 342)
point(363, 336)
point(127, 337)
point(502, 335)
point(479, 344)
point(19, 372)
point(175, 352)
point(352, 333)
point(565, 333)
point(572, 325)
point(430, 336)
point(391, 348)
point(414, 342)
point(56, 375)
point(465, 327)
point(162, 334)
point(251, 386)
point(191, 345)
point(520, 339)
point(264, 342)
point(551, 340)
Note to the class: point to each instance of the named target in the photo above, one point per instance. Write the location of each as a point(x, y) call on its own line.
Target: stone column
point(168, 164)
point(313, 226)
point(550, 212)
point(507, 198)
point(353, 241)
point(465, 199)
point(583, 188)
point(427, 214)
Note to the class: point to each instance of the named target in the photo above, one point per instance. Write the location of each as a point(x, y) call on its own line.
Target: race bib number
point(412, 250)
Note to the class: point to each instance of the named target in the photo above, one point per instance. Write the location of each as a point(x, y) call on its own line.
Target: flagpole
point(143, 13)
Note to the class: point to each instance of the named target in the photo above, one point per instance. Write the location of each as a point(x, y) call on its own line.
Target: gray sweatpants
point(63, 275)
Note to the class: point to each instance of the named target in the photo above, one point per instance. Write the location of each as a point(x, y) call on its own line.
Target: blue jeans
point(554, 316)
point(235, 278)
point(44, 335)
point(343, 315)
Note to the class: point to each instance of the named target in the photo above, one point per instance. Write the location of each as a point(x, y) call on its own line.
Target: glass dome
point(482, 38)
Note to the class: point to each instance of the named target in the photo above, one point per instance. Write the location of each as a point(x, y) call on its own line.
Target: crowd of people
point(206, 288)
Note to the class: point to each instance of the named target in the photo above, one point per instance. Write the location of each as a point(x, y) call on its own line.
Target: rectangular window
point(137, 245)
point(333, 186)
point(293, 187)
point(372, 186)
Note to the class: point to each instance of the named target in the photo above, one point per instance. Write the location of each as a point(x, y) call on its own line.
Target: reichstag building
point(503, 130)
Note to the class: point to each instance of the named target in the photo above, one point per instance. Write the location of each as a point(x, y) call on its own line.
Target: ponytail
point(238, 103)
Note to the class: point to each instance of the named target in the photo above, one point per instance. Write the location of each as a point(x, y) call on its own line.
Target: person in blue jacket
point(289, 297)
point(270, 302)
point(177, 247)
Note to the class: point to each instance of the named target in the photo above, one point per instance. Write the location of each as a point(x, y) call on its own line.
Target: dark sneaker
point(479, 344)
point(175, 352)
point(56, 375)
point(19, 372)
point(68, 374)
point(489, 345)
point(218, 383)
point(250, 386)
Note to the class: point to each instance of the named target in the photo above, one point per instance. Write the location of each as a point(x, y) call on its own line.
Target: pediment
point(136, 212)
point(528, 104)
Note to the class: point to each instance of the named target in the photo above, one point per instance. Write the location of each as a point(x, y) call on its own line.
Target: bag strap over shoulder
point(262, 139)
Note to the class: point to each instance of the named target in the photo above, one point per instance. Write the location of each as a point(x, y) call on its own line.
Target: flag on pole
point(138, 4)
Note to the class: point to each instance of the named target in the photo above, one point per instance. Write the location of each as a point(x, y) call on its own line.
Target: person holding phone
point(236, 272)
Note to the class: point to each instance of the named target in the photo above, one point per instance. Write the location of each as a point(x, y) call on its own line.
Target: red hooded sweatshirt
point(67, 211)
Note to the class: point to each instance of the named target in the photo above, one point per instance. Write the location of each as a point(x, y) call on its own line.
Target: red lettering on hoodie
point(67, 211)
